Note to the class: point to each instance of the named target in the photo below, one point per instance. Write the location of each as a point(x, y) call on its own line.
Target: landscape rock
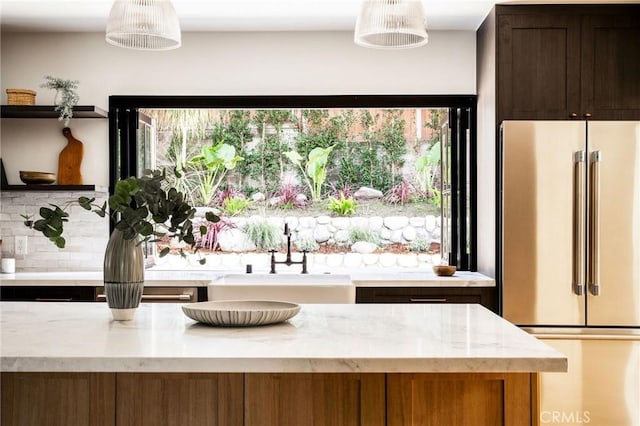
point(417, 221)
point(423, 234)
point(352, 260)
point(396, 222)
point(363, 247)
point(275, 201)
point(387, 260)
point(334, 260)
point(307, 222)
point(234, 240)
point(430, 223)
point(323, 220)
point(341, 222)
point(376, 222)
point(231, 260)
point(407, 260)
point(409, 233)
point(370, 259)
point(321, 234)
point(366, 193)
point(435, 235)
point(359, 222)
point(396, 236)
point(258, 196)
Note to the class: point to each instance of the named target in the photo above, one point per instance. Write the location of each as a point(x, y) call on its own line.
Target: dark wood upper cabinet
point(563, 62)
point(538, 66)
point(611, 66)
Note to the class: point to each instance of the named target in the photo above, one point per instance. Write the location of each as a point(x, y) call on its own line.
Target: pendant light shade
point(143, 25)
point(391, 24)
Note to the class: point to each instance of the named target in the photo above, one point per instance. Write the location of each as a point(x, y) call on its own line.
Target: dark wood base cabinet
point(265, 399)
point(485, 296)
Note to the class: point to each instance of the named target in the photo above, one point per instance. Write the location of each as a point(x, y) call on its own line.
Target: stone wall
point(237, 249)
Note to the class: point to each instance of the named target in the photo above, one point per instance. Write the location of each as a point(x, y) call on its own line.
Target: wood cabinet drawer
point(482, 295)
point(47, 294)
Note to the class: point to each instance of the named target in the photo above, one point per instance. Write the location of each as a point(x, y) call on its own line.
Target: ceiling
point(243, 15)
point(232, 15)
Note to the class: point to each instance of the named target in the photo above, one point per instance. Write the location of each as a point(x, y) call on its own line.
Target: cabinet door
point(538, 65)
point(58, 399)
point(611, 65)
point(179, 399)
point(276, 399)
point(461, 399)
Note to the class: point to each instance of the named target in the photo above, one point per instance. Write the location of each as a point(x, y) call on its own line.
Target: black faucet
point(288, 261)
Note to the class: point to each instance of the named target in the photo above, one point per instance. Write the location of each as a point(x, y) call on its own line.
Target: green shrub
point(342, 206)
point(264, 235)
point(364, 234)
point(307, 244)
point(235, 205)
point(420, 245)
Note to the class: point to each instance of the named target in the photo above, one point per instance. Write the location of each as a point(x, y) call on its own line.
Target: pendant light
point(391, 24)
point(143, 25)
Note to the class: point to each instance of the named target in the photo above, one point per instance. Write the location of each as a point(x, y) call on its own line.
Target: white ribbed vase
point(123, 275)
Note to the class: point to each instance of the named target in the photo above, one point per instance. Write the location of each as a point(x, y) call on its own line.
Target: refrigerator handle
point(594, 225)
point(579, 231)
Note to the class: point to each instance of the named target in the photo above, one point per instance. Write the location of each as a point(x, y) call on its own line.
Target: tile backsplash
point(86, 233)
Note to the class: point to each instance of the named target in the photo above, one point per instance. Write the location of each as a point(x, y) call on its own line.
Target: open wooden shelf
point(48, 188)
point(48, 111)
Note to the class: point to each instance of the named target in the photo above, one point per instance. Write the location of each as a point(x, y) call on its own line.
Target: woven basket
point(21, 97)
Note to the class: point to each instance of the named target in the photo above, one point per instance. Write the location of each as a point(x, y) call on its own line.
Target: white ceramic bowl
point(240, 313)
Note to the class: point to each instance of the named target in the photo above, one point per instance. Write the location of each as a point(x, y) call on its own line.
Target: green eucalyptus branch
point(140, 208)
point(52, 219)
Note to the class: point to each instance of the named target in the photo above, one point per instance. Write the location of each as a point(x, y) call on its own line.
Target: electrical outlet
point(20, 247)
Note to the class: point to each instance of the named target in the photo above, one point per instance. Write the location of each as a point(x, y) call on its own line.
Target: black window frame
point(123, 117)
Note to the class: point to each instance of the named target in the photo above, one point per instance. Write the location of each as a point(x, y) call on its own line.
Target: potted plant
point(143, 209)
point(66, 97)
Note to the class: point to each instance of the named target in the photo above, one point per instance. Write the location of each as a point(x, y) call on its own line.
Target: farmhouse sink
point(297, 288)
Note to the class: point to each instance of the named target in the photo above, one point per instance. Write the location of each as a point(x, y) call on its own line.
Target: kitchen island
point(333, 364)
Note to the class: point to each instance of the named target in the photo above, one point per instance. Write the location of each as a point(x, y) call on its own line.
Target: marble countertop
point(201, 278)
point(321, 338)
point(420, 278)
point(95, 278)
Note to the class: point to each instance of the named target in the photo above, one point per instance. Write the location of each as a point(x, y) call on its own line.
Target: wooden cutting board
point(70, 160)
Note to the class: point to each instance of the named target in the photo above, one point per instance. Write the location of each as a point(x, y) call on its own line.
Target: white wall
point(486, 161)
point(305, 63)
point(239, 63)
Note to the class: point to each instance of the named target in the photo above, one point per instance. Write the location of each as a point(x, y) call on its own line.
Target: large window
point(360, 181)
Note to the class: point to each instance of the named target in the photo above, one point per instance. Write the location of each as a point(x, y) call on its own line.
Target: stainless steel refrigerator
point(571, 260)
